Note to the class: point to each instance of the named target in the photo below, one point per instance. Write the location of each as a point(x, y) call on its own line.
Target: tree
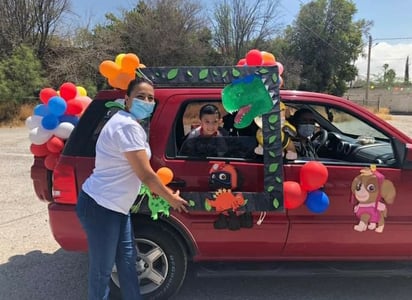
point(30, 22)
point(241, 25)
point(327, 42)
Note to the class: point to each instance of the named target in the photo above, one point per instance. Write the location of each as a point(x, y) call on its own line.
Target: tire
point(162, 273)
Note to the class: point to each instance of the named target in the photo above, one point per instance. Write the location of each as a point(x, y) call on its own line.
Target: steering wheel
point(319, 138)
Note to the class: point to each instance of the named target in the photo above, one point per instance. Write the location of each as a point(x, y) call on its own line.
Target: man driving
point(305, 123)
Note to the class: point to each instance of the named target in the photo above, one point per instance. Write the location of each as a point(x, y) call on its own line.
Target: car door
point(331, 234)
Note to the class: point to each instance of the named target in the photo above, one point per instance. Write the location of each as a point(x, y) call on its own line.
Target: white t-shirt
point(113, 183)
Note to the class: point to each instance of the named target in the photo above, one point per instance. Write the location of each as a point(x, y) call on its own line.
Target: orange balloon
point(165, 175)
point(122, 81)
point(109, 69)
point(268, 59)
point(130, 62)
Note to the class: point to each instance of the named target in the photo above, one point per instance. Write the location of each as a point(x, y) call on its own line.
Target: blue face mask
point(141, 109)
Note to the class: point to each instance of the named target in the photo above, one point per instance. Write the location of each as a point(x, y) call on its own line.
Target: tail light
point(64, 184)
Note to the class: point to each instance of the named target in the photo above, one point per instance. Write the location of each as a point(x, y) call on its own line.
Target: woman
point(122, 164)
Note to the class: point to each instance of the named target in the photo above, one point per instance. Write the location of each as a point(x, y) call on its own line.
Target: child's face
point(210, 124)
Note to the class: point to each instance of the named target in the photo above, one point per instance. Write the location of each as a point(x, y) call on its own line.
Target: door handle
point(177, 183)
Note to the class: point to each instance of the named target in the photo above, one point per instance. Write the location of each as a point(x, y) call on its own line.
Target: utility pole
point(368, 69)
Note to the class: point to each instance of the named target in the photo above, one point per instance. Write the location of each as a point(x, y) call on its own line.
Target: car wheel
point(162, 263)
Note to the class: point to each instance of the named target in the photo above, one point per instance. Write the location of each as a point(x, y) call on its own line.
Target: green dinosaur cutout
point(156, 203)
point(249, 97)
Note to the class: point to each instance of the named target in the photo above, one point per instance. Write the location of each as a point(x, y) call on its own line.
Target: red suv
point(355, 139)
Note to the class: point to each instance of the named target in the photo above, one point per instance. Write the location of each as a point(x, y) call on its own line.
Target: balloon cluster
point(121, 71)
point(313, 176)
point(54, 119)
point(256, 57)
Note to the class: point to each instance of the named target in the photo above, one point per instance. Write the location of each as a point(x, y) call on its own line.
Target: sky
point(391, 33)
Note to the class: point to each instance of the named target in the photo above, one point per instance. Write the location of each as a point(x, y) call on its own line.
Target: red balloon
point(55, 145)
point(39, 150)
point(68, 91)
point(241, 62)
point(51, 160)
point(280, 67)
point(313, 175)
point(293, 195)
point(46, 94)
point(74, 107)
point(254, 58)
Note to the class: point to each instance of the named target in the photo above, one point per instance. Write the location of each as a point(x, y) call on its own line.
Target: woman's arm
point(141, 166)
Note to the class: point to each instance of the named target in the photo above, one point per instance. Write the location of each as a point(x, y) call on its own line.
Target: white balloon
point(63, 130)
point(39, 136)
point(33, 121)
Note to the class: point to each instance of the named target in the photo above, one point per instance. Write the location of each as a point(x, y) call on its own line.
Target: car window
point(232, 143)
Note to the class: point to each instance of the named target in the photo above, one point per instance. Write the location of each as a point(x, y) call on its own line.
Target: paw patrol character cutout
point(224, 178)
point(371, 192)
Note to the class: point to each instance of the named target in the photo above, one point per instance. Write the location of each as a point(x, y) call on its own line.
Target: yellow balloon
point(259, 136)
point(119, 59)
point(81, 91)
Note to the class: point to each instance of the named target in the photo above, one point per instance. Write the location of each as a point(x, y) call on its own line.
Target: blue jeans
point(110, 240)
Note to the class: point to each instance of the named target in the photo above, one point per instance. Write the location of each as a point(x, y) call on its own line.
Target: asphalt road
point(33, 266)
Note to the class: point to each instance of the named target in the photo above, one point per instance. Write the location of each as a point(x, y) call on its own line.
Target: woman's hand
point(177, 202)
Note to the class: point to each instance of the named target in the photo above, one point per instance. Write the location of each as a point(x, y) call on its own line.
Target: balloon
point(268, 59)
point(85, 101)
point(41, 110)
point(74, 107)
point(50, 122)
point(241, 62)
point(51, 160)
point(68, 91)
point(39, 150)
point(63, 130)
point(165, 175)
point(55, 145)
point(254, 58)
point(39, 136)
point(70, 119)
point(280, 67)
point(280, 81)
point(33, 121)
point(130, 62)
point(119, 59)
point(81, 91)
point(46, 94)
point(293, 195)
point(317, 201)
point(313, 175)
point(122, 81)
point(109, 69)
point(57, 106)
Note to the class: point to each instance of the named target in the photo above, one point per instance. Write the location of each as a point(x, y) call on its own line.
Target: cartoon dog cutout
point(371, 191)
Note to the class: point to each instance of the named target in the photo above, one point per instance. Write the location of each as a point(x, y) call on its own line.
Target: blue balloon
point(41, 110)
point(57, 106)
point(69, 118)
point(50, 122)
point(317, 201)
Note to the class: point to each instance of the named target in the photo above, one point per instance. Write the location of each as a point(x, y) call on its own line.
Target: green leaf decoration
point(157, 74)
point(189, 73)
point(273, 167)
point(192, 203)
point(278, 179)
point(203, 74)
point(272, 139)
point(272, 127)
point(273, 119)
point(215, 73)
point(263, 71)
point(276, 203)
point(224, 74)
point(172, 74)
point(207, 206)
point(275, 78)
point(235, 73)
point(270, 188)
point(246, 200)
point(272, 154)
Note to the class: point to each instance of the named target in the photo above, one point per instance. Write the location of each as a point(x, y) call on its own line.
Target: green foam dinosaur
point(156, 203)
point(249, 97)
